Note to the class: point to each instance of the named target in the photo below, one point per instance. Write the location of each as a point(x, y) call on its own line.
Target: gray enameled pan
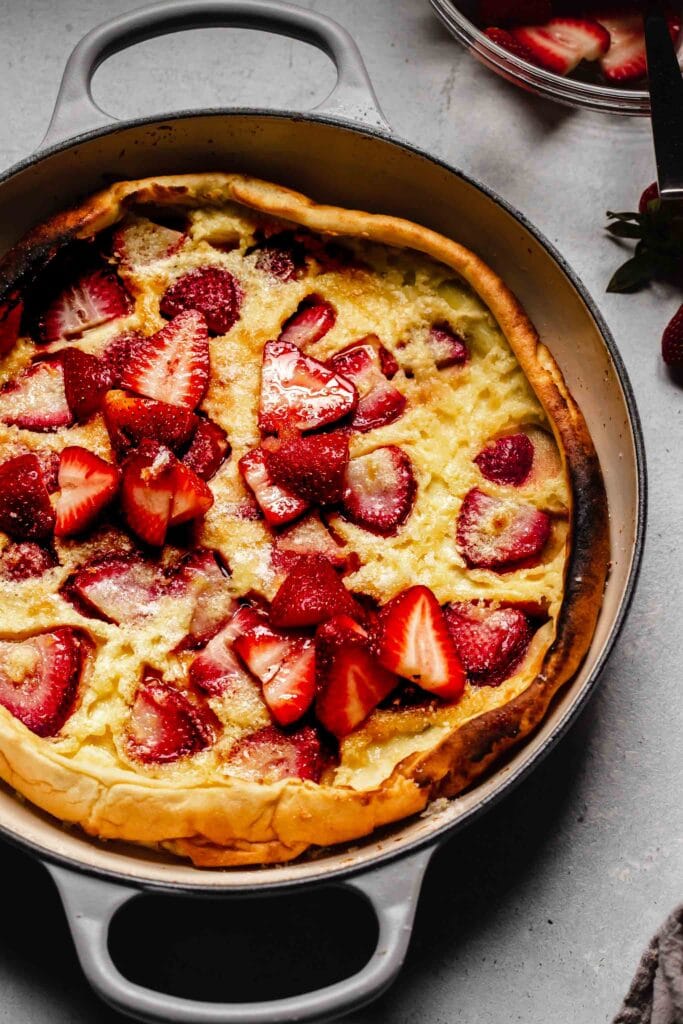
point(343, 153)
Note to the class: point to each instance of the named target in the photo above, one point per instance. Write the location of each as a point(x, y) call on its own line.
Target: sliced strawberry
point(380, 489)
point(562, 43)
point(138, 242)
point(311, 594)
point(496, 533)
point(311, 322)
point(204, 573)
point(290, 692)
point(87, 485)
point(285, 666)
point(506, 39)
point(490, 642)
point(413, 641)
point(86, 381)
point(130, 420)
point(364, 364)
point(330, 636)
point(625, 60)
point(353, 686)
point(119, 353)
point(381, 406)
point(192, 496)
point(211, 291)
point(39, 679)
point(446, 346)
point(208, 450)
point(309, 536)
point(217, 670)
point(388, 362)
point(507, 460)
point(311, 467)
point(49, 467)
point(299, 391)
point(278, 505)
point(271, 755)
point(158, 491)
point(173, 364)
point(95, 298)
point(165, 725)
point(121, 588)
point(263, 649)
point(25, 561)
point(26, 512)
point(11, 311)
point(35, 399)
point(282, 256)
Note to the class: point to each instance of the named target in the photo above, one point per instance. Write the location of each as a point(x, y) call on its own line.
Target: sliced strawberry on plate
point(366, 363)
point(11, 311)
point(35, 399)
point(507, 460)
point(354, 684)
point(299, 391)
point(158, 491)
point(311, 467)
point(278, 505)
point(290, 692)
point(309, 536)
point(311, 322)
point(310, 594)
point(203, 571)
point(25, 561)
point(87, 484)
point(120, 587)
point(271, 755)
point(217, 670)
point(94, 299)
point(130, 420)
point(173, 364)
point(139, 242)
point(446, 346)
point(87, 379)
point(497, 533)
point(490, 642)
point(212, 291)
point(282, 257)
point(285, 666)
point(208, 450)
point(164, 724)
point(413, 641)
point(379, 489)
point(625, 60)
point(39, 678)
point(26, 512)
point(562, 43)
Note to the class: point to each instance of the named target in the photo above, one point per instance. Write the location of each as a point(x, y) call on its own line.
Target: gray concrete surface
point(539, 912)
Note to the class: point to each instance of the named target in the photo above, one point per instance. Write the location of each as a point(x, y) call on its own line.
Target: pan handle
point(352, 98)
point(392, 891)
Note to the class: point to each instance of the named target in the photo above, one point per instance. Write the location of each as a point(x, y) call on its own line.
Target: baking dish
point(320, 154)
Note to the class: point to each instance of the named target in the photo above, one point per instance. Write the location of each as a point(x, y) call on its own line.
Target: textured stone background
point(539, 912)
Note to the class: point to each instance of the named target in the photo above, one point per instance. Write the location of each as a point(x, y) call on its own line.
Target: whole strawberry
point(657, 229)
point(672, 341)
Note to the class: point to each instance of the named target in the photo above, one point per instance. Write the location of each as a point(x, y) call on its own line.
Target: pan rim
point(449, 828)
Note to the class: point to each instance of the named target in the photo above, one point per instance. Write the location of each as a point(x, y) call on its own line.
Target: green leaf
point(620, 229)
point(632, 216)
point(633, 274)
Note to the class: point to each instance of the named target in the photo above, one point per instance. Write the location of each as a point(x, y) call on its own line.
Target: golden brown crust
point(241, 823)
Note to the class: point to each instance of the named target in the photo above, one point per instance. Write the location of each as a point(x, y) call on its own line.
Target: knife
point(666, 103)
